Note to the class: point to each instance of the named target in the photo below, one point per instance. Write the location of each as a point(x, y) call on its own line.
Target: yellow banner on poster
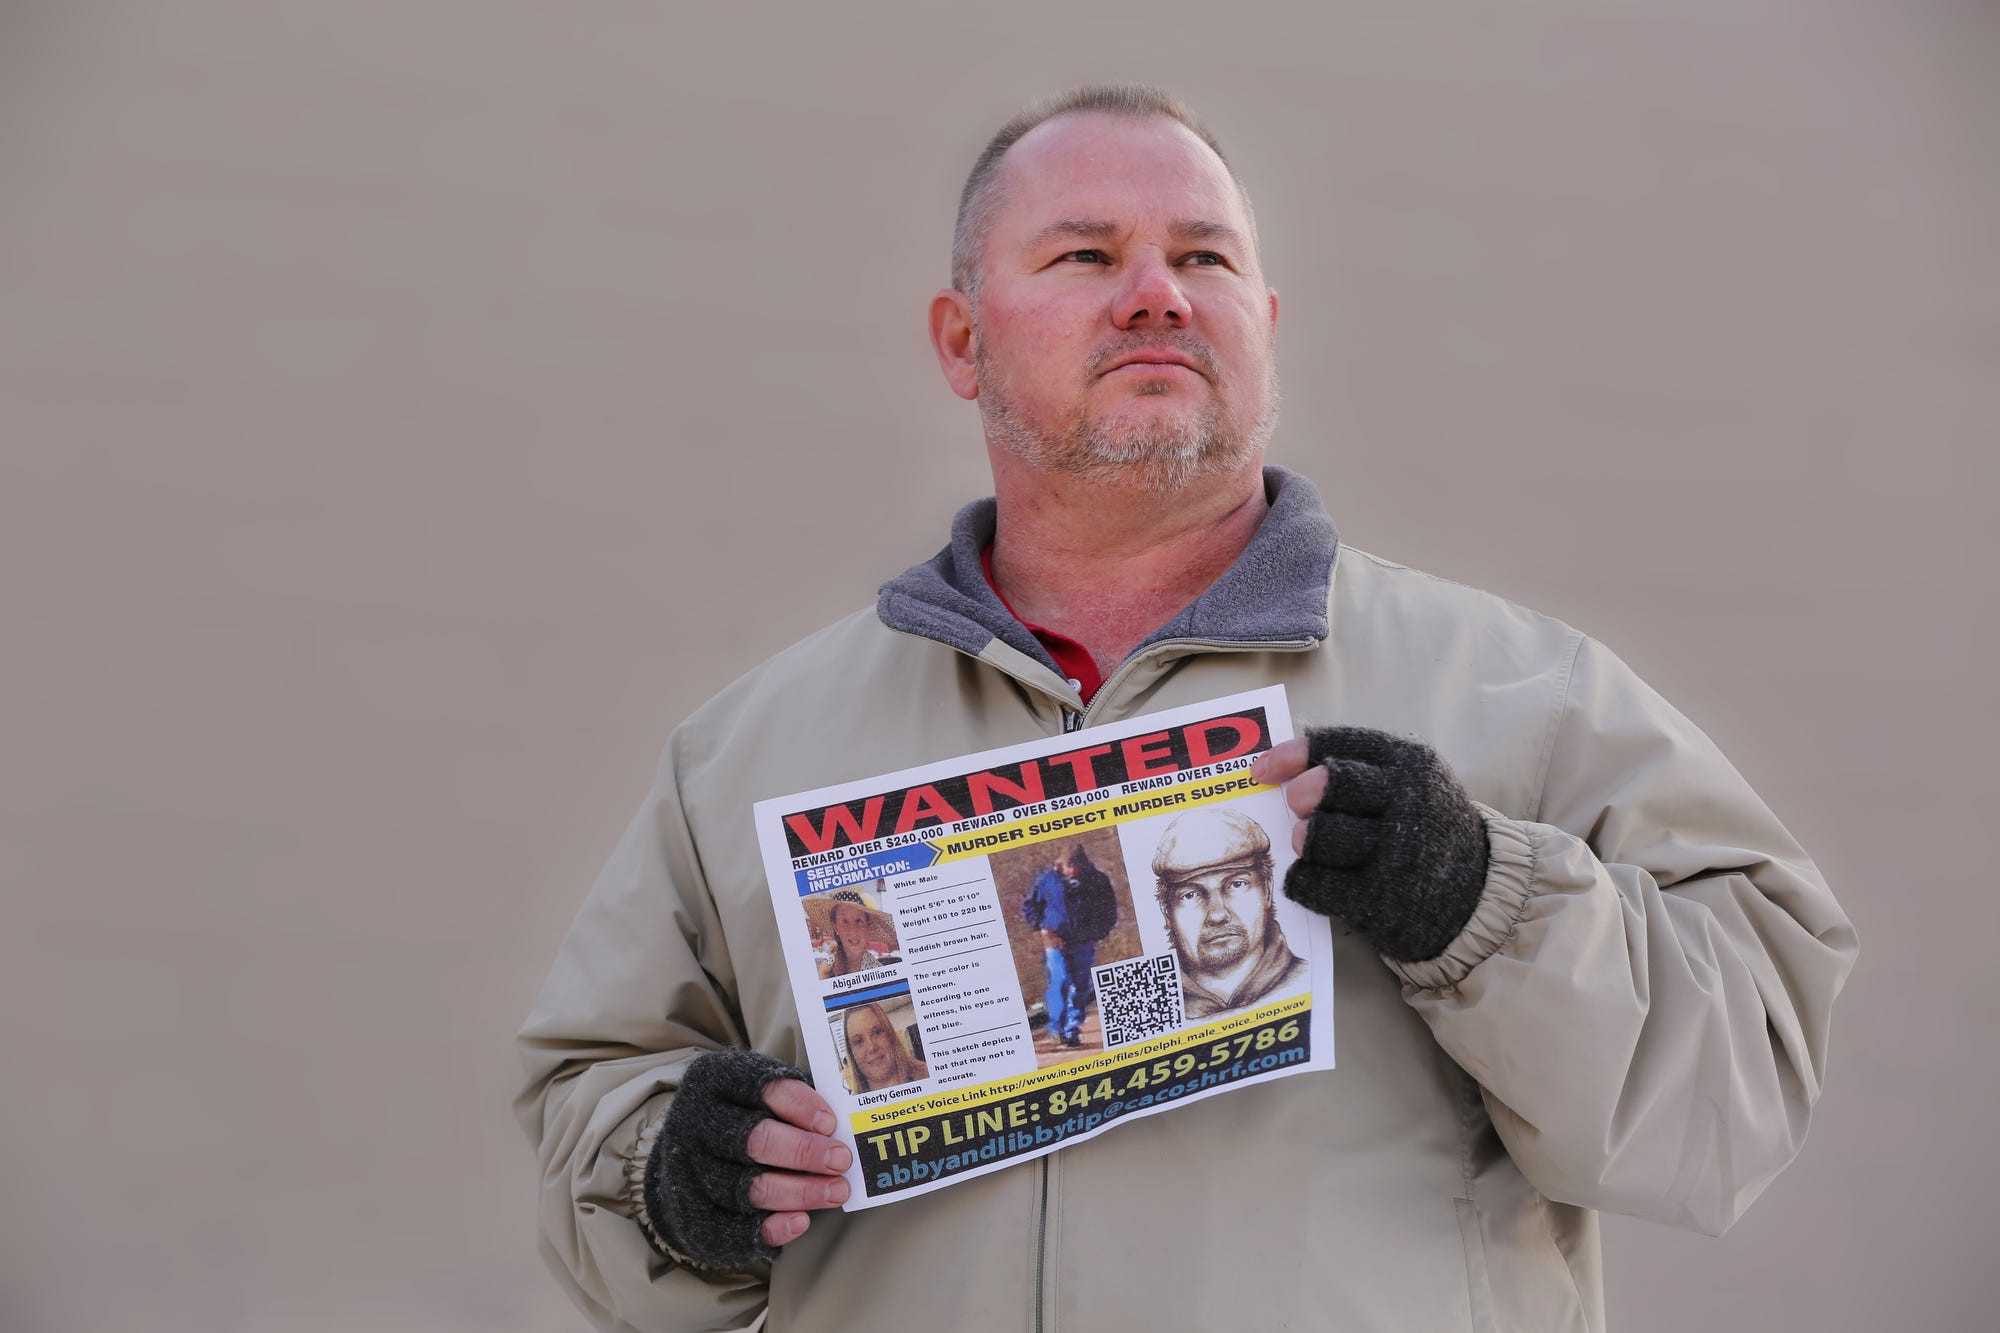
point(1167, 1047)
point(1097, 814)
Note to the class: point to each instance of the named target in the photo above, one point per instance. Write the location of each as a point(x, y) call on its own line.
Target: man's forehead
point(1104, 229)
point(1095, 167)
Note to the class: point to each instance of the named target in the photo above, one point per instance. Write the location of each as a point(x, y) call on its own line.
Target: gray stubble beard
point(1161, 459)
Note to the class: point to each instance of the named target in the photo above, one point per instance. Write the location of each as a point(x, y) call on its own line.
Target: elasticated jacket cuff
point(1510, 885)
point(635, 1186)
point(696, 1192)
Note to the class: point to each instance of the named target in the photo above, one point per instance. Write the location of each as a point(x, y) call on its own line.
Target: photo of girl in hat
point(858, 933)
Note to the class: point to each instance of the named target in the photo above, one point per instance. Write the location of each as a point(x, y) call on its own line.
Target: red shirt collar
point(1071, 657)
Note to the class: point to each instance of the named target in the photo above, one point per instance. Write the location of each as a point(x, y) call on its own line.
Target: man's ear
point(952, 339)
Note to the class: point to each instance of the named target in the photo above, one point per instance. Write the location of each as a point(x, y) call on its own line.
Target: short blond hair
point(979, 201)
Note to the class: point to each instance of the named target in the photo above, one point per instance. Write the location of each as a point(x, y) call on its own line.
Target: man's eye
point(1086, 256)
point(1204, 259)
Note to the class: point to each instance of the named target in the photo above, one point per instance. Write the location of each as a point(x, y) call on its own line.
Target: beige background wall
point(410, 408)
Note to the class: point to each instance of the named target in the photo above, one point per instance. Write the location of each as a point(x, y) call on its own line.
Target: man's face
point(1220, 917)
point(873, 1044)
point(1123, 330)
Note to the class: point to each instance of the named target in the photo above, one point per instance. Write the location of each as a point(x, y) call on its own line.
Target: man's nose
point(1217, 911)
point(1151, 296)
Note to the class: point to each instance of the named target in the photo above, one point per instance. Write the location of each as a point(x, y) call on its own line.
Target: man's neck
point(1108, 565)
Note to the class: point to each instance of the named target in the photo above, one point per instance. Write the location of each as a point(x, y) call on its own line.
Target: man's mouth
point(1156, 356)
point(1152, 363)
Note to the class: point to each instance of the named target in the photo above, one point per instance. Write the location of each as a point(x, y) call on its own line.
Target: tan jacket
point(1635, 1019)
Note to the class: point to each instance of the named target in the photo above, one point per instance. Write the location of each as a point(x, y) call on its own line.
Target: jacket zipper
point(1126, 667)
point(1041, 1241)
point(1074, 720)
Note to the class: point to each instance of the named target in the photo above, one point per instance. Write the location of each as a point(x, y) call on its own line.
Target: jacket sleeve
point(1033, 907)
point(1643, 992)
point(641, 986)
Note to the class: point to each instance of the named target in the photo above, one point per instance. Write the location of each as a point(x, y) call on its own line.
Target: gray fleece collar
point(1275, 592)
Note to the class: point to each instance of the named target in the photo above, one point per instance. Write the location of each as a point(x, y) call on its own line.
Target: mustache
point(1185, 343)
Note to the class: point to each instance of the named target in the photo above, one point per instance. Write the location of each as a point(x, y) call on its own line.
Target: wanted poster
point(1001, 954)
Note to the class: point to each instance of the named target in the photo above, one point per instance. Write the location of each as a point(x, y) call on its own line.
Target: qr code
point(1138, 999)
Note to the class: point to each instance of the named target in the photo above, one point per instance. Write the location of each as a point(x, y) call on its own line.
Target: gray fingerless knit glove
point(1396, 849)
point(698, 1176)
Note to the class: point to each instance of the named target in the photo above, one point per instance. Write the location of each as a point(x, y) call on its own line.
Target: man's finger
point(1304, 793)
point(1281, 763)
point(787, 1191)
point(1354, 788)
point(797, 1103)
point(775, 1143)
point(781, 1227)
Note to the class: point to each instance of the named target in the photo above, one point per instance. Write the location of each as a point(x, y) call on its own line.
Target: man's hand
point(797, 1140)
point(746, 1151)
point(1051, 940)
point(1389, 843)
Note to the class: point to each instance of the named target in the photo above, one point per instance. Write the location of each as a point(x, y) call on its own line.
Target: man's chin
point(1171, 419)
point(1159, 462)
point(1149, 398)
point(1223, 955)
point(1170, 433)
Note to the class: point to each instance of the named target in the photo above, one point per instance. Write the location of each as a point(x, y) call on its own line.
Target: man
point(1212, 876)
point(1066, 904)
point(1579, 965)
